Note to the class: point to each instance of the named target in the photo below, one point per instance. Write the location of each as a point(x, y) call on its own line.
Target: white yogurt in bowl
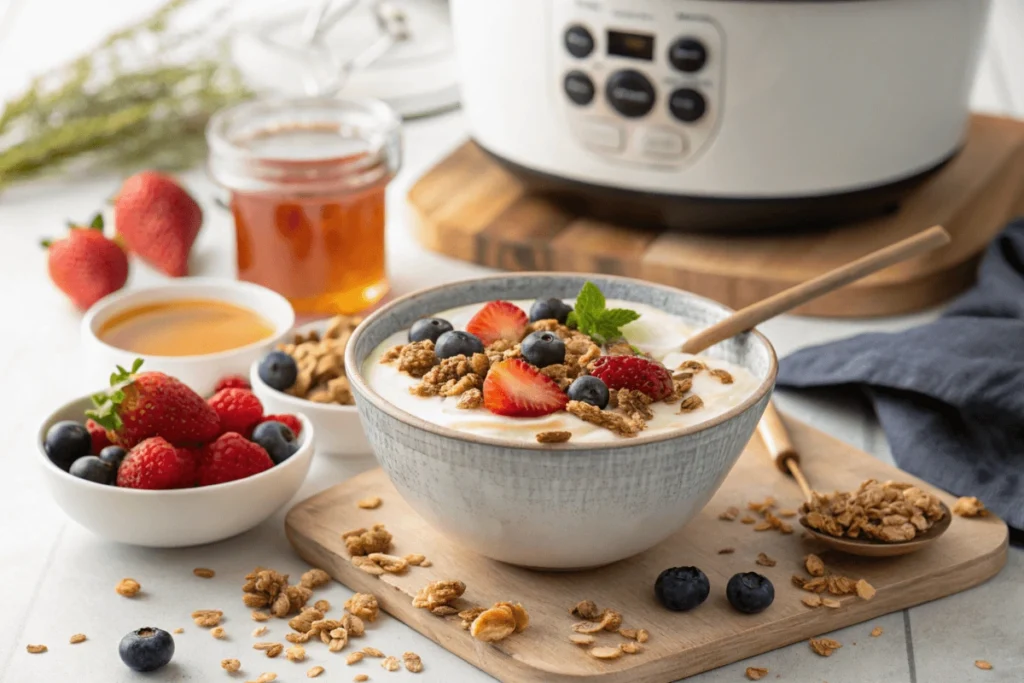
point(657, 333)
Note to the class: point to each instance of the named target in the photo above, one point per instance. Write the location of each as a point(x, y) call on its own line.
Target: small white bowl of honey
point(195, 329)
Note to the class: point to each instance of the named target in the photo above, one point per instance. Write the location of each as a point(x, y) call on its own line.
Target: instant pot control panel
point(639, 86)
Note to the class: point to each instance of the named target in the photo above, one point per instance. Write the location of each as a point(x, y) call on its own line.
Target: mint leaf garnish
point(594, 320)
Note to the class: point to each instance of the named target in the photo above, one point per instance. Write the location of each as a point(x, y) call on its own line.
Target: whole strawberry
point(231, 457)
point(141, 405)
point(634, 372)
point(156, 464)
point(85, 265)
point(290, 421)
point(238, 410)
point(158, 220)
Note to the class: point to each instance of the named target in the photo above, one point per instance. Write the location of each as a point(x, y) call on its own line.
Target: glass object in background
point(307, 179)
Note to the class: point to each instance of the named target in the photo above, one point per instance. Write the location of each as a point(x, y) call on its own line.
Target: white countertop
point(59, 578)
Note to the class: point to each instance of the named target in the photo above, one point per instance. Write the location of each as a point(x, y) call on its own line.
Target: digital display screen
point(633, 45)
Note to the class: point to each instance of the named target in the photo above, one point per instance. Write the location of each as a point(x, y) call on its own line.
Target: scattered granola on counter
point(824, 646)
point(969, 506)
point(204, 573)
point(756, 673)
point(982, 664)
point(371, 503)
point(77, 638)
point(128, 588)
point(876, 631)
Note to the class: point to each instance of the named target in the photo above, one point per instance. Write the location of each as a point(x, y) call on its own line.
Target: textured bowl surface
point(338, 430)
point(180, 517)
point(571, 505)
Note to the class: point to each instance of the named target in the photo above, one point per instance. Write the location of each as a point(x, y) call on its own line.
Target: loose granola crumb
point(128, 588)
point(230, 665)
point(729, 514)
point(824, 646)
point(391, 664)
point(726, 551)
point(36, 649)
point(444, 610)
point(586, 610)
point(218, 633)
point(865, 590)
point(259, 631)
point(553, 437)
point(314, 578)
point(314, 672)
point(296, 653)
point(303, 621)
point(426, 563)
point(389, 563)
point(765, 561)
point(812, 600)
point(691, 403)
point(363, 542)
point(415, 559)
point(605, 652)
point(438, 593)
point(722, 376)
point(322, 606)
point(363, 605)
point(831, 603)
point(631, 648)
point(747, 519)
point(77, 638)
point(371, 503)
point(259, 616)
point(412, 661)
point(178, 630)
point(207, 618)
point(969, 506)
point(693, 365)
point(615, 422)
point(814, 565)
point(353, 624)
point(756, 673)
point(983, 665)
point(367, 565)
point(494, 624)
point(204, 573)
point(876, 631)
point(581, 639)
point(642, 636)
point(266, 678)
point(763, 526)
point(786, 512)
point(359, 678)
point(372, 652)
point(354, 657)
point(470, 399)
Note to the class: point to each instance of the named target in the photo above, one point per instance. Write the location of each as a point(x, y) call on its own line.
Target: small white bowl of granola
point(320, 391)
point(549, 441)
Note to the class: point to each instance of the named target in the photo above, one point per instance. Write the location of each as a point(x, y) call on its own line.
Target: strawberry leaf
point(106, 403)
point(97, 222)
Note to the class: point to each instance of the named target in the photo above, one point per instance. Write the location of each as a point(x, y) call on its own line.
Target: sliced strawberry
point(517, 389)
point(499, 320)
point(634, 372)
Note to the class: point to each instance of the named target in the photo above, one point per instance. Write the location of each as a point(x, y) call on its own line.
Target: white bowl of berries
point(150, 462)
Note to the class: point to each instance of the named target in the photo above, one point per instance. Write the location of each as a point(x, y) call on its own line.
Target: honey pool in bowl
point(184, 327)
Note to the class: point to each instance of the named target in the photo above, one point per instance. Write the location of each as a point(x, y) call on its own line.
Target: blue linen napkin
point(949, 394)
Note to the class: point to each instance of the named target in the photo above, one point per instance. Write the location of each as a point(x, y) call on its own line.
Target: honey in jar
point(307, 181)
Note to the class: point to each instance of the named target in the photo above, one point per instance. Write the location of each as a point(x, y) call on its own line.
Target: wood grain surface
point(681, 644)
point(471, 208)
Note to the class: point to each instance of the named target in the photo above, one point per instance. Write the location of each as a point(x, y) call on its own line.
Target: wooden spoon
point(785, 456)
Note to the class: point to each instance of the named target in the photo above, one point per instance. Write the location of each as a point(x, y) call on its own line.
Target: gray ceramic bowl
point(569, 506)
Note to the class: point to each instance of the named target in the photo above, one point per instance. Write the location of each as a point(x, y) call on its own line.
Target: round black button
point(579, 87)
point(630, 93)
point(578, 41)
point(687, 105)
point(688, 54)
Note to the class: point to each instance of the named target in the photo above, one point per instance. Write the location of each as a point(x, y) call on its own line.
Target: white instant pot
point(712, 114)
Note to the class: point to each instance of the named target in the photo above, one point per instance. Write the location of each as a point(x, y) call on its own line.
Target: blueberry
point(66, 442)
point(455, 342)
point(543, 348)
point(429, 328)
point(589, 389)
point(278, 370)
point(750, 592)
point(682, 588)
point(276, 439)
point(113, 456)
point(546, 309)
point(92, 468)
point(146, 649)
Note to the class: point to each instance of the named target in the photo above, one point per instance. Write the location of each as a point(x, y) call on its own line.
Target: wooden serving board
point(469, 207)
point(681, 644)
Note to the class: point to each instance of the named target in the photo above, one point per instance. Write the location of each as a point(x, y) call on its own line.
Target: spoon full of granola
point(879, 519)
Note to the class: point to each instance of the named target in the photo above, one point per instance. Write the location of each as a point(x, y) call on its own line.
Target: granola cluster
point(321, 362)
point(823, 581)
point(453, 376)
point(265, 588)
point(892, 512)
point(365, 541)
point(597, 621)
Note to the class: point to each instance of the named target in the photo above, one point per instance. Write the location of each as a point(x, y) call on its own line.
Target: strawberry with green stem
point(85, 264)
point(142, 405)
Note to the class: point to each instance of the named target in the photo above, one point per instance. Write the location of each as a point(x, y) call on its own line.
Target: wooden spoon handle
point(780, 448)
point(755, 314)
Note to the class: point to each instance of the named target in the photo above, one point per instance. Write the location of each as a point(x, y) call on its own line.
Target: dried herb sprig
point(142, 97)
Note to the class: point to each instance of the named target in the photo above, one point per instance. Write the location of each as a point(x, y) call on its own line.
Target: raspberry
point(98, 435)
point(231, 457)
point(232, 382)
point(156, 464)
point(290, 421)
point(239, 410)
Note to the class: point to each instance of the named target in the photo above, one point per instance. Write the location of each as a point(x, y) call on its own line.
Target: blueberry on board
point(277, 439)
point(457, 342)
point(682, 588)
point(66, 442)
point(91, 468)
point(750, 593)
point(146, 649)
point(542, 348)
point(429, 328)
point(589, 389)
point(546, 309)
point(278, 370)
point(113, 456)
